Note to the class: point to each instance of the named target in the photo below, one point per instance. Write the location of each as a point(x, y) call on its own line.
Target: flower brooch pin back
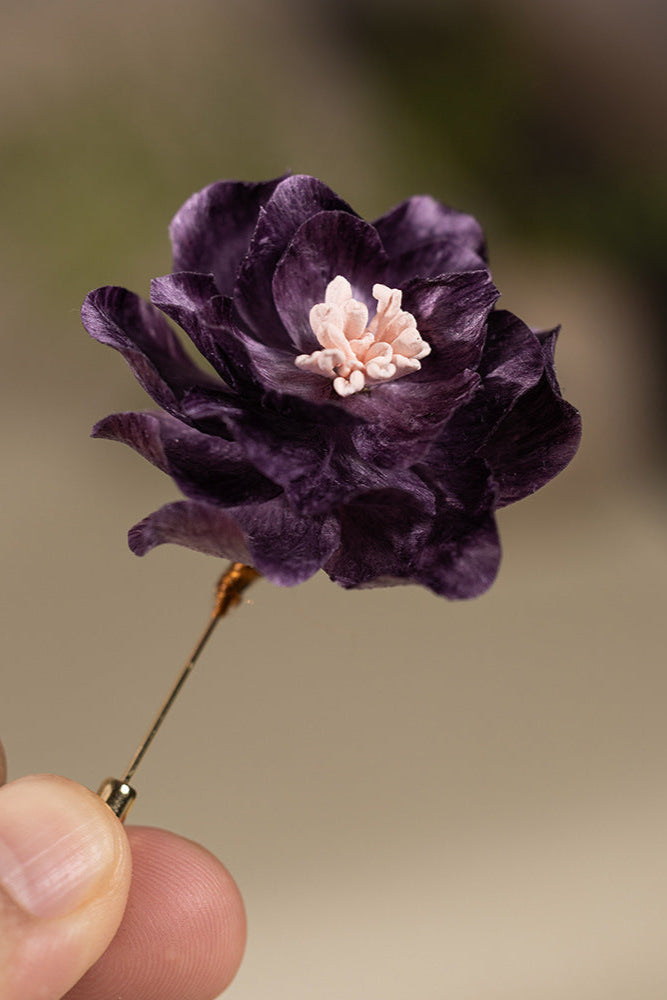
point(366, 408)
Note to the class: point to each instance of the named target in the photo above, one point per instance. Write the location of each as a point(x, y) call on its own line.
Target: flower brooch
point(366, 409)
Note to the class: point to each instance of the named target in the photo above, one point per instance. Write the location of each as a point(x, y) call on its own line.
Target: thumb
point(64, 878)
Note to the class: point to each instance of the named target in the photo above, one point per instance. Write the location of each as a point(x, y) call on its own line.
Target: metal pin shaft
point(118, 793)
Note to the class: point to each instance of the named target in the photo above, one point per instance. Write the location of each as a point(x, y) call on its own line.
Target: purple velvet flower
point(365, 409)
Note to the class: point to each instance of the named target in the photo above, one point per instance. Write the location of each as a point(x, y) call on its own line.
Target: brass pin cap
point(118, 795)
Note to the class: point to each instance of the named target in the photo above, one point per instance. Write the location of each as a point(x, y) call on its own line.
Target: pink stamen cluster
point(357, 353)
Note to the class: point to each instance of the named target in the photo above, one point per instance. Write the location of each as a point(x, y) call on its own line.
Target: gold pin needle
point(118, 793)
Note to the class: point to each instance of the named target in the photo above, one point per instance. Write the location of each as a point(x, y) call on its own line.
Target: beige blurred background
point(419, 799)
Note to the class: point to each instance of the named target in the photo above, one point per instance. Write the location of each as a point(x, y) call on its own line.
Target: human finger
point(64, 877)
point(183, 933)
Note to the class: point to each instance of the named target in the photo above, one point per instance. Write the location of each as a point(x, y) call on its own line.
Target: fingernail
point(56, 847)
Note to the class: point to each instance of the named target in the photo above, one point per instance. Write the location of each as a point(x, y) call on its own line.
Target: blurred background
point(417, 798)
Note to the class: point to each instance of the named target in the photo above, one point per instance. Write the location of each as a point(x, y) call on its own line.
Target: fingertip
point(65, 873)
point(184, 929)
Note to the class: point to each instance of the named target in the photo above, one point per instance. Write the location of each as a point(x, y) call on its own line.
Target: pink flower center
point(357, 353)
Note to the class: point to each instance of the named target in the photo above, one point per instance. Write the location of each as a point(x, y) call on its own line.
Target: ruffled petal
point(283, 546)
point(382, 535)
point(513, 358)
point(134, 327)
point(547, 340)
point(451, 313)
point(327, 245)
point(185, 296)
point(430, 260)
point(198, 526)
point(512, 363)
point(463, 484)
point(204, 467)
point(305, 448)
point(423, 219)
point(192, 301)
point(294, 200)
point(533, 443)
point(402, 419)
point(212, 231)
point(461, 558)
point(212, 322)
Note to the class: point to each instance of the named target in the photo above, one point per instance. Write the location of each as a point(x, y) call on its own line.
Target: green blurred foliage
point(115, 114)
point(467, 87)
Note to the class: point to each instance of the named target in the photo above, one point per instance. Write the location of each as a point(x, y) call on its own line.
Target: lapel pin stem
point(119, 793)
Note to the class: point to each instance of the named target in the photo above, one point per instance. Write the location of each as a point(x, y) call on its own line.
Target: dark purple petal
point(304, 447)
point(513, 359)
point(142, 431)
point(212, 231)
point(430, 260)
point(185, 296)
point(402, 419)
point(463, 485)
point(295, 200)
point(382, 536)
point(328, 244)
point(210, 322)
point(422, 219)
point(286, 548)
point(284, 442)
point(214, 326)
point(461, 557)
point(122, 320)
point(535, 441)
point(203, 467)
point(512, 363)
point(547, 340)
point(198, 526)
point(309, 449)
point(451, 313)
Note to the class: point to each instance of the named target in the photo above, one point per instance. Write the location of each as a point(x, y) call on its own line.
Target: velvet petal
point(547, 340)
point(307, 449)
point(140, 332)
point(285, 546)
point(534, 442)
point(512, 363)
point(212, 230)
point(430, 260)
point(451, 313)
point(204, 467)
point(198, 526)
point(294, 201)
point(513, 358)
point(461, 557)
point(191, 300)
point(462, 484)
point(382, 535)
point(422, 219)
point(402, 419)
point(328, 244)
